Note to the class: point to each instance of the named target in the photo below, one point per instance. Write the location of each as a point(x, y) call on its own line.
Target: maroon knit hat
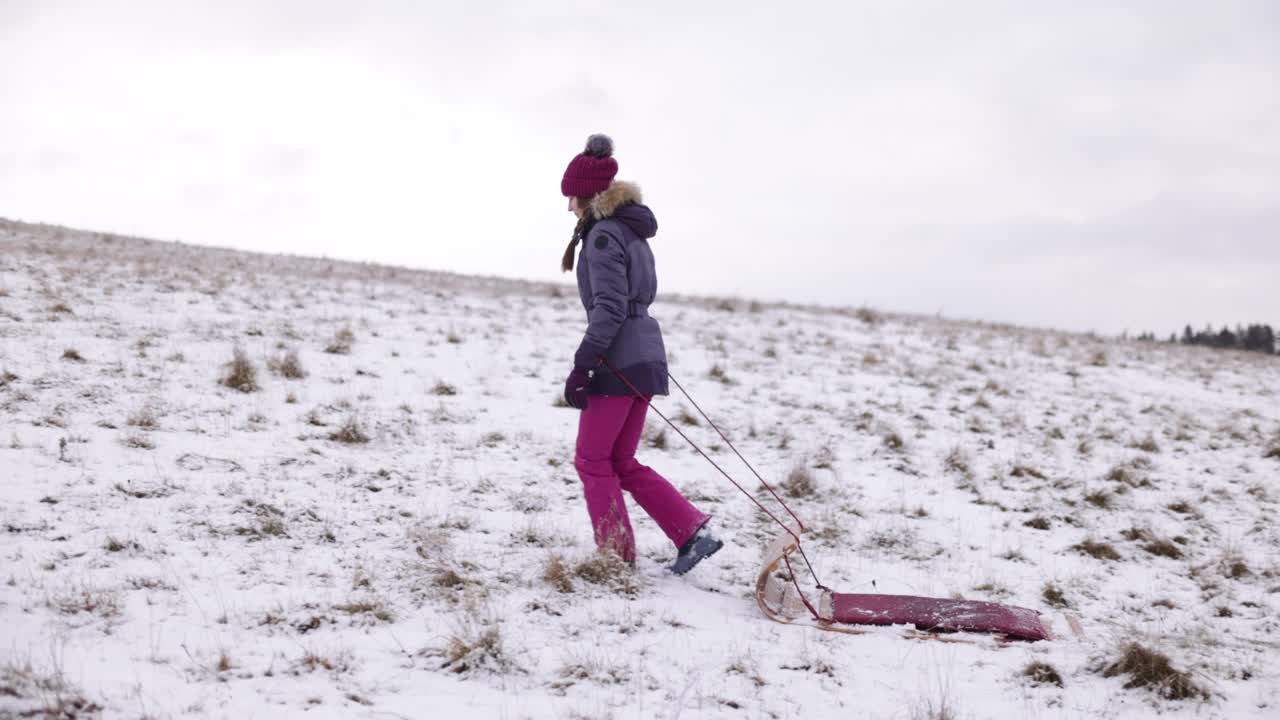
point(592, 170)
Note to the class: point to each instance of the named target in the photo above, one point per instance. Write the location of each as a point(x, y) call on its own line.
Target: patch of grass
point(868, 316)
point(1163, 548)
point(29, 694)
point(685, 418)
point(1042, 673)
point(240, 374)
point(1147, 668)
point(1026, 471)
point(138, 441)
point(341, 342)
point(351, 432)
point(288, 365)
point(1182, 507)
point(957, 461)
point(658, 440)
point(607, 570)
point(445, 389)
point(72, 355)
point(557, 574)
point(85, 599)
point(1038, 522)
point(374, 608)
point(892, 440)
point(144, 417)
point(1235, 567)
point(718, 374)
point(1097, 550)
point(800, 483)
point(1147, 444)
point(7, 377)
point(475, 649)
point(1099, 498)
point(1053, 595)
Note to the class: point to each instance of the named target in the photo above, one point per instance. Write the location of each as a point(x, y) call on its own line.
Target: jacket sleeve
point(607, 267)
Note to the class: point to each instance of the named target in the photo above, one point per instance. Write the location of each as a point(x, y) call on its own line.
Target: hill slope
point(176, 547)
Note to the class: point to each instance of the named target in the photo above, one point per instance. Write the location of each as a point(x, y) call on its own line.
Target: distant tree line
point(1254, 338)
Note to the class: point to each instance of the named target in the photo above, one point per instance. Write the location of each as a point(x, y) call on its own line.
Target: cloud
point(1045, 162)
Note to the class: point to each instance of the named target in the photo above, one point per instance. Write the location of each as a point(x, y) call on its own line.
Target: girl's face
point(575, 208)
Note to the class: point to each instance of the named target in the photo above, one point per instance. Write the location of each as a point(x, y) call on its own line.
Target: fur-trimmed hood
point(622, 201)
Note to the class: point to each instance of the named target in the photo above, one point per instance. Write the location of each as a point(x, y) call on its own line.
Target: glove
point(575, 388)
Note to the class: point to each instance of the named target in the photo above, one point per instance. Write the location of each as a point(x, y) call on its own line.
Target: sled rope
point(763, 482)
point(729, 477)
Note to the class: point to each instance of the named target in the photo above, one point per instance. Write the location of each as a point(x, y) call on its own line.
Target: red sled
point(781, 600)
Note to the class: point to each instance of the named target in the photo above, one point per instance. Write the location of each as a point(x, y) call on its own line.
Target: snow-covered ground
point(173, 547)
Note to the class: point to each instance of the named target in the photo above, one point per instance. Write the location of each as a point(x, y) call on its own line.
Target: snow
point(233, 561)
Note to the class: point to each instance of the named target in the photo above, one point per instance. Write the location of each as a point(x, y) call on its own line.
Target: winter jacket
point(618, 282)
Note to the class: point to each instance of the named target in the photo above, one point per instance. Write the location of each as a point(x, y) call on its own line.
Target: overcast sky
point(1083, 165)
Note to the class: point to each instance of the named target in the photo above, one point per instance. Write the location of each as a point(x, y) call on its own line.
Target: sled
point(781, 600)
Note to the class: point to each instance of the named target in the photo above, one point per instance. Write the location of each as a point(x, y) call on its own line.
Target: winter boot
point(702, 545)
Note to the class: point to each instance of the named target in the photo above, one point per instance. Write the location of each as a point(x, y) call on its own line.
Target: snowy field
point(397, 531)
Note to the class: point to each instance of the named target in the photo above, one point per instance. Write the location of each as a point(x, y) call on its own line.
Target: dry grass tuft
point(957, 461)
point(85, 599)
point(6, 377)
point(1147, 444)
point(474, 649)
point(1026, 471)
point(608, 570)
point(240, 373)
point(800, 483)
point(28, 694)
point(288, 365)
point(684, 417)
point(658, 441)
point(445, 389)
point(72, 355)
point(556, 573)
point(1163, 548)
point(370, 607)
point(138, 441)
point(1099, 498)
point(341, 342)
point(718, 374)
point(1038, 522)
point(1098, 550)
point(350, 432)
point(144, 417)
point(1054, 596)
point(868, 316)
point(1042, 673)
point(1150, 669)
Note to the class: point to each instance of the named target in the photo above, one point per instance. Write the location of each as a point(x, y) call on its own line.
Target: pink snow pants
point(608, 434)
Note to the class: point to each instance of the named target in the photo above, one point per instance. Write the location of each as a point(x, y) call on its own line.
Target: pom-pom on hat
point(592, 170)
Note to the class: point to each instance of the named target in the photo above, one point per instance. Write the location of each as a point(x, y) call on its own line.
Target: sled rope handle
point(729, 477)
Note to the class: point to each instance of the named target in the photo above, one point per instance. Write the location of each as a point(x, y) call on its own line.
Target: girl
point(617, 282)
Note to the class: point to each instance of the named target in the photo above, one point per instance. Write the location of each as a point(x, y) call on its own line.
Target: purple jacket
point(617, 282)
